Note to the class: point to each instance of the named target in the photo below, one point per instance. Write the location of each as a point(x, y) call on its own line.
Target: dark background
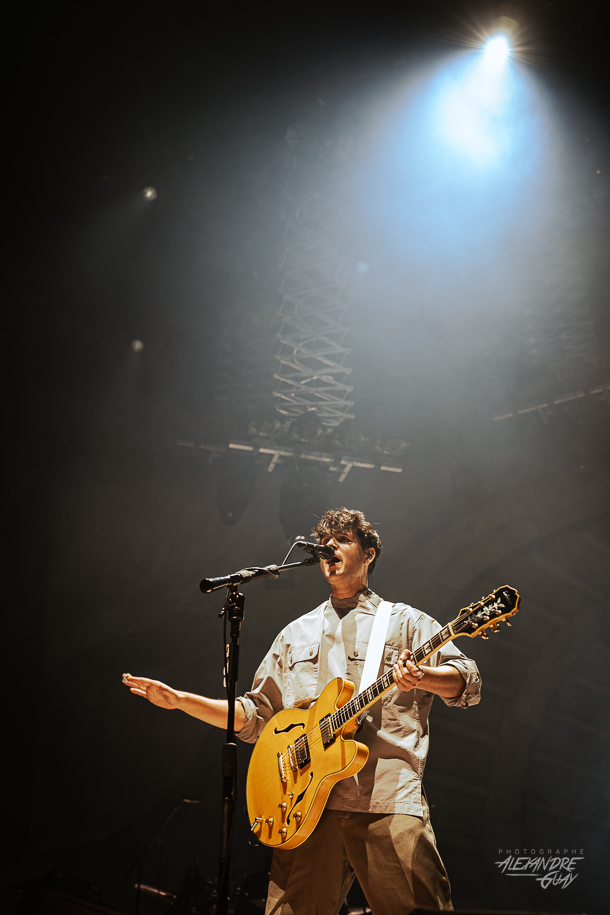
point(110, 524)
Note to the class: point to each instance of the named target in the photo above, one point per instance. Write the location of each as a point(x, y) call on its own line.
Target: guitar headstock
point(487, 613)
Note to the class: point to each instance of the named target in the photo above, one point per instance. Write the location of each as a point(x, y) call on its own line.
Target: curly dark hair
point(343, 520)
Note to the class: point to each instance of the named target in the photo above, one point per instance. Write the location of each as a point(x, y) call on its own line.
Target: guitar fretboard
point(383, 684)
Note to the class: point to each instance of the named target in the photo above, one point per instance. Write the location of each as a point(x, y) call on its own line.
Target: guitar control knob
point(269, 821)
point(283, 834)
point(283, 807)
point(298, 817)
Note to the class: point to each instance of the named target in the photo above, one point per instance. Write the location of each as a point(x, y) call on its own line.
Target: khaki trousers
point(394, 856)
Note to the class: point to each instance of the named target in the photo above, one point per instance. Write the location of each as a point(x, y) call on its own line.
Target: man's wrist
point(445, 681)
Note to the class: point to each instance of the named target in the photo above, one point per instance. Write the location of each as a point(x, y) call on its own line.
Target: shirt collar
point(368, 602)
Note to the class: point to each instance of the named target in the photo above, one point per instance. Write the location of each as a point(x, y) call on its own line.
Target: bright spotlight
point(149, 193)
point(497, 50)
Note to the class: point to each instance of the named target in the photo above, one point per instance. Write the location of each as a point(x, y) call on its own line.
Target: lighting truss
point(311, 353)
point(600, 392)
point(273, 455)
point(311, 370)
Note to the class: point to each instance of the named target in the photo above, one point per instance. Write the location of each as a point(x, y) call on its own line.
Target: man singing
point(376, 824)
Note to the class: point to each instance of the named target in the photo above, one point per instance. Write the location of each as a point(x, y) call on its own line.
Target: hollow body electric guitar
point(302, 753)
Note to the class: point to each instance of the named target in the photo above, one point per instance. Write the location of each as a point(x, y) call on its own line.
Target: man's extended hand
point(406, 674)
point(156, 692)
point(212, 711)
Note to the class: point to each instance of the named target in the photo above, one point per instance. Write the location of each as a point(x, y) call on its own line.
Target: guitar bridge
point(326, 731)
point(280, 765)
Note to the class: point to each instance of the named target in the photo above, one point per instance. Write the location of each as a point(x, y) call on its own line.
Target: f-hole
point(289, 728)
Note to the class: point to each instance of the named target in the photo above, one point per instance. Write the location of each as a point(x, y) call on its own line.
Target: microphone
point(319, 550)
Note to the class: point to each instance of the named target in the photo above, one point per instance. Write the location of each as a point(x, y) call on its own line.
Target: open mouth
point(334, 561)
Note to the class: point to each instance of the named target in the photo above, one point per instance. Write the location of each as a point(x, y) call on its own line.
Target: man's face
point(347, 571)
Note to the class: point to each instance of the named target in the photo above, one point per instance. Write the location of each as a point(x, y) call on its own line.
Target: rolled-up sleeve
point(470, 673)
point(265, 698)
point(450, 654)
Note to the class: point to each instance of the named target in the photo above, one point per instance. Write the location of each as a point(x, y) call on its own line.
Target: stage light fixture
point(349, 435)
point(497, 50)
point(267, 424)
point(149, 193)
point(394, 446)
point(307, 427)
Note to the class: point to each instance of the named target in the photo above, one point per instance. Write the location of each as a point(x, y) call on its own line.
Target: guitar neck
point(386, 682)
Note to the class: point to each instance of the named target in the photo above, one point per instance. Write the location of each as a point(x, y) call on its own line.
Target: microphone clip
point(317, 550)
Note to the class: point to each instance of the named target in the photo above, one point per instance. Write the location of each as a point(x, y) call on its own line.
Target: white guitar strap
point(377, 638)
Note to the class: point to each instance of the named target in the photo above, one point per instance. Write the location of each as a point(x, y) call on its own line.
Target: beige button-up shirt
point(317, 647)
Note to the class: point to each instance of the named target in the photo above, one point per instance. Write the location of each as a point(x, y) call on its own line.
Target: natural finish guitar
point(302, 753)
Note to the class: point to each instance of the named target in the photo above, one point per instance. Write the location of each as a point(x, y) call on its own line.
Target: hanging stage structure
point(311, 372)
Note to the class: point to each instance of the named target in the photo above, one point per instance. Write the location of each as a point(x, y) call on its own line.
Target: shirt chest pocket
point(356, 656)
point(390, 656)
point(301, 674)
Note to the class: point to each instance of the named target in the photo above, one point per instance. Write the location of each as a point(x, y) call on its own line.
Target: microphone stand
point(233, 611)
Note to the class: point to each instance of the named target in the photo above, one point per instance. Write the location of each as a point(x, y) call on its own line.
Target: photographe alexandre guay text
point(547, 866)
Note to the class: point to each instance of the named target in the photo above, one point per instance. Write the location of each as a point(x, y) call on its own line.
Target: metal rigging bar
point(311, 354)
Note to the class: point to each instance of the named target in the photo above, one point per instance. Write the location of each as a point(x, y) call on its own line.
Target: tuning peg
point(484, 635)
point(507, 623)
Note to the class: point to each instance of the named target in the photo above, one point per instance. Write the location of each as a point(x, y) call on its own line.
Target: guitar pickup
point(292, 758)
point(301, 747)
point(326, 731)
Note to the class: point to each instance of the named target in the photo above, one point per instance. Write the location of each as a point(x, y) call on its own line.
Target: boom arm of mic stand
point(246, 575)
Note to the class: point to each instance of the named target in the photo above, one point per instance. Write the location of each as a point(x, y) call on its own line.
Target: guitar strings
point(314, 738)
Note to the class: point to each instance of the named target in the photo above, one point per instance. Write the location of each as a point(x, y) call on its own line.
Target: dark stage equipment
point(56, 893)
point(235, 488)
point(304, 497)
